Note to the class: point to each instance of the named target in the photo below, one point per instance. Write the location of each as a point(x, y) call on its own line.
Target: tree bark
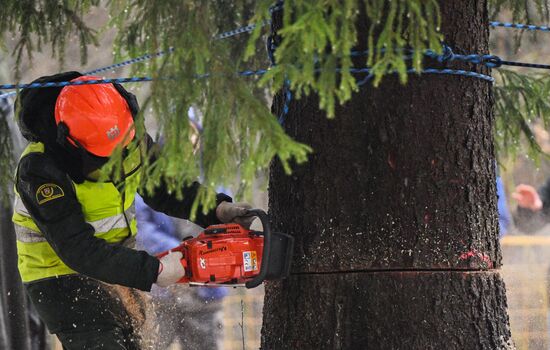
point(394, 215)
point(14, 325)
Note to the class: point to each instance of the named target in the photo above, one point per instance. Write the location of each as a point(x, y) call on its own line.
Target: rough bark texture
point(14, 326)
point(402, 179)
point(388, 310)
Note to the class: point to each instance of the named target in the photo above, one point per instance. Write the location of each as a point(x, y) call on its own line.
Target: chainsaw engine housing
point(224, 253)
point(230, 254)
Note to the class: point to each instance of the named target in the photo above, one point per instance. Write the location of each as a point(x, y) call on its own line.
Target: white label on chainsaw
point(202, 262)
point(249, 261)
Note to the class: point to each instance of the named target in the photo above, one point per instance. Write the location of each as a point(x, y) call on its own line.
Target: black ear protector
point(130, 99)
point(90, 161)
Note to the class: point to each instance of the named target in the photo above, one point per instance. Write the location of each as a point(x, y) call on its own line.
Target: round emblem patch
point(48, 192)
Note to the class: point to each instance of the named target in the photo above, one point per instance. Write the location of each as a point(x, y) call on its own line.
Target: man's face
point(93, 165)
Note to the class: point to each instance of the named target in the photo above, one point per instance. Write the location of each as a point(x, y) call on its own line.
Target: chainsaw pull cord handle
point(257, 280)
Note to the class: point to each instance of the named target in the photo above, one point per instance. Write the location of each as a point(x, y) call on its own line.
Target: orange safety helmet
point(98, 117)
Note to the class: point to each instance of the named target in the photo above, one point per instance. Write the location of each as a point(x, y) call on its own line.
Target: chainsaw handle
point(257, 280)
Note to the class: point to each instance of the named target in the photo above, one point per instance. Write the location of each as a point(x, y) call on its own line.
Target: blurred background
point(526, 255)
point(236, 313)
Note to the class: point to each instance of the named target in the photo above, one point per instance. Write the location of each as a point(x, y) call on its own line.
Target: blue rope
point(244, 73)
point(149, 56)
point(113, 66)
point(79, 82)
point(271, 46)
point(456, 72)
point(244, 29)
point(519, 26)
point(523, 64)
point(448, 55)
point(427, 71)
point(490, 61)
point(278, 6)
point(286, 102)
point(130, 61)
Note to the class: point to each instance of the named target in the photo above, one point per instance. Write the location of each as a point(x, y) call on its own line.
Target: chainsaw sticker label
point(220, 249)
point(249, 261)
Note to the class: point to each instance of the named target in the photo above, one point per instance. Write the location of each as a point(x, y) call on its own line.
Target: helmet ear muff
point(62, 134)
point(89, 161)
point(130, 99)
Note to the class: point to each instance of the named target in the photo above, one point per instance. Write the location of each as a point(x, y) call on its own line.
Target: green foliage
point(521, 97)
point(52, 21)
point(240, 136)
point(524, 11)
point(318, 35)
point(520, 100)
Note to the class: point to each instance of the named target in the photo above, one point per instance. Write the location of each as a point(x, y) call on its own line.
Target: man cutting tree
point(75, 230)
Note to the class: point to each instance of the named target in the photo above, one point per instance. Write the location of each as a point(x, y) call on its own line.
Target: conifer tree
point(362, 200)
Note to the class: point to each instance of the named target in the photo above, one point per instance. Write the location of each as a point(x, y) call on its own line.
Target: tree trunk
point(14, 326)
point(394, 215)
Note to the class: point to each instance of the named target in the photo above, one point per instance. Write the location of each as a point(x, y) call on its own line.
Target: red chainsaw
point(231, 255)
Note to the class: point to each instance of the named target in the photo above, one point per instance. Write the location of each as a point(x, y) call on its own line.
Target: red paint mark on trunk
point(391, 160)
point(475, 255)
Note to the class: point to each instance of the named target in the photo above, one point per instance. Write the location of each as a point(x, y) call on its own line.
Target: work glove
point(170, 269)
point(235, 212)
point(527, 197)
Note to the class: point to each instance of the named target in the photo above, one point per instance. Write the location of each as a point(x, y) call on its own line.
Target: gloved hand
point(234, 212)
point(170, 269)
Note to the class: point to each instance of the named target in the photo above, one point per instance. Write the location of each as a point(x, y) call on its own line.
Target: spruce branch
point(522, 10)
point(240, 136)
point(317, 37)
point(51, 21)
point(520, 101)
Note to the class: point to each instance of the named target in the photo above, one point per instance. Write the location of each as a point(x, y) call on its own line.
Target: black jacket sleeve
point(169, 204)
point(529, 221)
point(62, 222)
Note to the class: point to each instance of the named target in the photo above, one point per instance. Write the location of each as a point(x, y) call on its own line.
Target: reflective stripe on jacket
point(109, 209)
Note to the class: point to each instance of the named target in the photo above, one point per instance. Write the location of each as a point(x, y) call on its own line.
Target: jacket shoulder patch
point(48, 192)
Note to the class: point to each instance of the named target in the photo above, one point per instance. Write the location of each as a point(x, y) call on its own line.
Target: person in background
point(504, 217)
point(186, 315)
point(533, 210)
